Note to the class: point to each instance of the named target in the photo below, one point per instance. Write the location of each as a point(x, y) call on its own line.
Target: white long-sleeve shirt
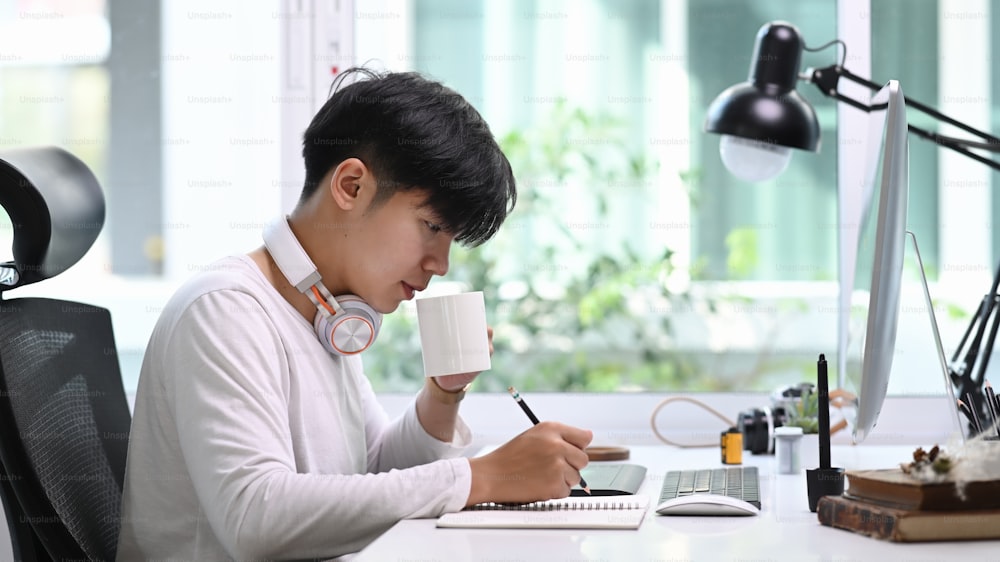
point(250, 441)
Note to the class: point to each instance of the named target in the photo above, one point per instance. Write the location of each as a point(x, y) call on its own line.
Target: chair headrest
point(56, 207)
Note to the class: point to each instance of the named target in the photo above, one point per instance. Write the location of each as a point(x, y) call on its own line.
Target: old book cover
point(895, 487)
point(904, 525)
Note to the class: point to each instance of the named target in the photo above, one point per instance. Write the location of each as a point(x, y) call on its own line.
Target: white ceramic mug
point(453, 338)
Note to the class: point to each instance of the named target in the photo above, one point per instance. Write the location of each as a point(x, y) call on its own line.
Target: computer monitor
point(874, 312)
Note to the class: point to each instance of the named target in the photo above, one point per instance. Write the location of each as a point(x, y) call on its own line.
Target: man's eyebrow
point(439, 221)
point(427, 208)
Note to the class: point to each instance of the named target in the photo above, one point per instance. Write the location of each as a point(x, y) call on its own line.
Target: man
point(250, 440)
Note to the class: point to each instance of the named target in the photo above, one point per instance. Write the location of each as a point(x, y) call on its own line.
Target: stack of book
point(892, 505)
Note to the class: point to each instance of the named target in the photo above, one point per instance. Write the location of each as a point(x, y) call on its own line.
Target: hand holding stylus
point(541, 463)
point(531, 416)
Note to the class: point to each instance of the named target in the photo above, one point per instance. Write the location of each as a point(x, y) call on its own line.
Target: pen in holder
point(824, 480)
point(986, 427)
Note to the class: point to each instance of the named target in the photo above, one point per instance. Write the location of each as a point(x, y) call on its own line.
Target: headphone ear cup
point(350, 332)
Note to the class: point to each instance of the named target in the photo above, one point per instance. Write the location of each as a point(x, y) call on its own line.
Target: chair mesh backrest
point(63, 391)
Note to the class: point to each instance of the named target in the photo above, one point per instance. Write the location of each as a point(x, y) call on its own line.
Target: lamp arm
point(962, 375)
point(826, 80)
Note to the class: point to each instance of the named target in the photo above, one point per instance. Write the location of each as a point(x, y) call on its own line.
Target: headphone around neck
point(345, 324)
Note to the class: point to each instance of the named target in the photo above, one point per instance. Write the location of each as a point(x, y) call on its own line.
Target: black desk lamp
point(762, 119)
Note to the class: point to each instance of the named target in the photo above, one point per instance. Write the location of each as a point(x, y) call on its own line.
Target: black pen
point(991, 399)
point(967, 412)
point(534, 421)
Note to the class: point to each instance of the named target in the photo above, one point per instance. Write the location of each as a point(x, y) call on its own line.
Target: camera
point(757, 425)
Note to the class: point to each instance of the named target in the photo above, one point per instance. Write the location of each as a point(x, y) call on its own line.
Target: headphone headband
point(292, 260)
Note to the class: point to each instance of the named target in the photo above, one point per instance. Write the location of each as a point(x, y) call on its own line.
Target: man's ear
point(346, 182)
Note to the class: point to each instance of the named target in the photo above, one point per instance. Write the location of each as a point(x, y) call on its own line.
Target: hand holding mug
point(454, 383)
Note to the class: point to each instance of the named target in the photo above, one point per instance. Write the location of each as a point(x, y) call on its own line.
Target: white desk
point(785, 529)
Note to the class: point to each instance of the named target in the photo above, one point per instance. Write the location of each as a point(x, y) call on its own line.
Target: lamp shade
point(766, 108)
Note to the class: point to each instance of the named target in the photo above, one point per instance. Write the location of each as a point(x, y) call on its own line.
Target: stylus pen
point(823, 403)
point(534, 421)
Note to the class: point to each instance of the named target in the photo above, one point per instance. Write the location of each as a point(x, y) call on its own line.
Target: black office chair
point(64, 417)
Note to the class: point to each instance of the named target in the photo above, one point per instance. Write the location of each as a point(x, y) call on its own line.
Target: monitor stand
point(949, 388)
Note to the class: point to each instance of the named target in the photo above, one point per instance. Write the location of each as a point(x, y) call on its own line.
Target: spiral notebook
point(596, 512)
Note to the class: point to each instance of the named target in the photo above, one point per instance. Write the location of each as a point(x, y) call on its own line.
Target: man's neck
point(269, 268)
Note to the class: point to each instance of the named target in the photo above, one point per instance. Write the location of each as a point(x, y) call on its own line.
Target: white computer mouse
point(706, 504)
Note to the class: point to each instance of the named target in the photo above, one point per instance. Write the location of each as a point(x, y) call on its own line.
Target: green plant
point(576, 305)
point(805, 414)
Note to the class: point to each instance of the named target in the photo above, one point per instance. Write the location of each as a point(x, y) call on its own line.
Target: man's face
point(395, 249)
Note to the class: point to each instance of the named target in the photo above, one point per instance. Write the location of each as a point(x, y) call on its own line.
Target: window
point(952, 209)
point(616, 270)
point(633, 261)
point(54, 85)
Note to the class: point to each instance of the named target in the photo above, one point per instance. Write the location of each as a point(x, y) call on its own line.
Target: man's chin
point(386, 307)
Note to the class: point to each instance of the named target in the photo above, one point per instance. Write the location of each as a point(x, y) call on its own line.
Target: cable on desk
point(665, 401)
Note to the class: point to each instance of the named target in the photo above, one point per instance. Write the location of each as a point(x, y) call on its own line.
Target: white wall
point(221, 124)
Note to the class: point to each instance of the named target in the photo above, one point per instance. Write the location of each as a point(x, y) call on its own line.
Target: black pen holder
point(823, 482)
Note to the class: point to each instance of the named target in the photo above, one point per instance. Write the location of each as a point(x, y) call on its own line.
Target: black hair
point(414, 133)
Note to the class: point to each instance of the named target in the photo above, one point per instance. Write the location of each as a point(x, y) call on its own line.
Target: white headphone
point(345, 325)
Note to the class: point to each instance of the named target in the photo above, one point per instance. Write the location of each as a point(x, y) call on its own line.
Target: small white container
point(788, 449)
